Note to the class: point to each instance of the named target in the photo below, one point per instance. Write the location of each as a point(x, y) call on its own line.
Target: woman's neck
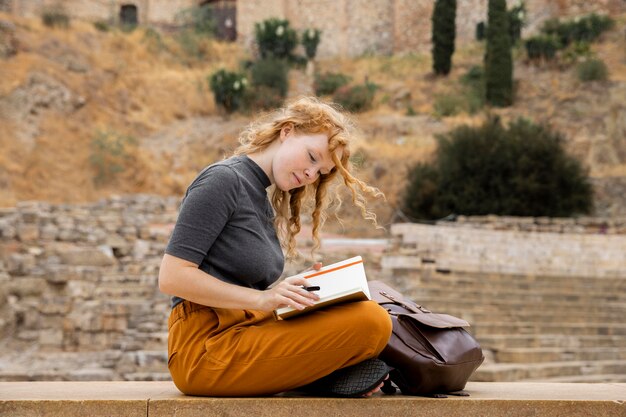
point(265, 158)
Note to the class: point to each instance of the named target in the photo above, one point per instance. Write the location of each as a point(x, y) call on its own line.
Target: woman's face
point(301, 158)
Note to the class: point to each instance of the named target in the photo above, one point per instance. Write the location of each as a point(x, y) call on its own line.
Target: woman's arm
point(185, 280)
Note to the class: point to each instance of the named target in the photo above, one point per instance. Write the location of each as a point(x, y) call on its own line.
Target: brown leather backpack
point(431, 353)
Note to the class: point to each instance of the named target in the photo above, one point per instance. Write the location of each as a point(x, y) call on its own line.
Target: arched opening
point(224, 14)
point(128, 15)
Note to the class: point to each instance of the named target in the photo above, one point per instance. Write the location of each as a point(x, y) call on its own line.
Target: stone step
point(419, 276)
point(577, 329)
point(505, 372)
point(532, 316)
point(161, 398)
point(443, 304)
point(538, 355)
point(499, 342)
point(567, 293)
point(601, 378)
point(423, 276)
point(486, 296)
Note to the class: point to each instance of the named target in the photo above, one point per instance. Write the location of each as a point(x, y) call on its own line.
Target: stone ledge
point(157, 399)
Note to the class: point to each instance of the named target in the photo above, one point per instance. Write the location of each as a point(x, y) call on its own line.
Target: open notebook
point(340, 282)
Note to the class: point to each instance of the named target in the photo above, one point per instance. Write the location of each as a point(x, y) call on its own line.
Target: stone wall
point(356, 27)
point(501, 247)
point(149, 11)
point(84, 279)
point(78, 284)
point(573, 225)
point(350, 27)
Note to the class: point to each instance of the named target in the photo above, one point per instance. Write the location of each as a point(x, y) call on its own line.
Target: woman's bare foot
point(375, 390)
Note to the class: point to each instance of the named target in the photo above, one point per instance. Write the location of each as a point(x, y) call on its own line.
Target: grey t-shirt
point(225, 225)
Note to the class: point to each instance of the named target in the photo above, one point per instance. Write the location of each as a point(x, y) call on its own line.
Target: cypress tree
point(498, 59)
point(443, 34)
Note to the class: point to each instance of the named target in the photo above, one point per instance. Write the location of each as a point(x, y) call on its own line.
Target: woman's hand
point(289, 292)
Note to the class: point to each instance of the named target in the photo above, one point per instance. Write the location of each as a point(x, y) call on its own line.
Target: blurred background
point(496, 130)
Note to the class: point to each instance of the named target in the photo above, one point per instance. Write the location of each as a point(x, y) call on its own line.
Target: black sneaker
point(352, 381)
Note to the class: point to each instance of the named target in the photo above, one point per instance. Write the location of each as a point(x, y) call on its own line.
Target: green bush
point(576, 52)
point(55, 17)
point(272, 73)
point(583, 29)
point(443, 34)
point(448, 105)
point(297, 61)
point(101, 26)
point(517, 20)
point(310, 40)
point(228, 89)
point(328, 82)
point(356, 98)
point(421, 194)
point(153, 39)
point(521, 170)
point(470, 98)
point(258, 98)
point(592, 70)
point(474, 92)
point(275, 38)
point(198, 19)
point(541, 47)
point(111, 155)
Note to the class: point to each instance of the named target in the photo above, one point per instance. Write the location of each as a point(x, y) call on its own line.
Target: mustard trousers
point(225, 352)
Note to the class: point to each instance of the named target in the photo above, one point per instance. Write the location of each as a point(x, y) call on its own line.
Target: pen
point(315, 288)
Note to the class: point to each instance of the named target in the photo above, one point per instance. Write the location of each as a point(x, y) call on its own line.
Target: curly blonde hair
point(309, 115)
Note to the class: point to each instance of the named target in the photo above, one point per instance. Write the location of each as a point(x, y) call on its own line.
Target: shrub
point(310, 40)
point(228, 88)
point(421, 194)
point(199, 19)
point(498, 59)
point(328, 82)
point(443, 34)
point(355, 98)
point(474, 82)
point(275, 38)
point(583, 29)
point(592, 70)
point(517, 20)
point(261, 97)
point(576, 52)
point(153, 39)
point(111, 155)
point(541, 47)
point(55, 17)
point(489, 169)
point(271, 73)
point(297, 61)
point(101, 26)
point(194, 47)
point(448, 105)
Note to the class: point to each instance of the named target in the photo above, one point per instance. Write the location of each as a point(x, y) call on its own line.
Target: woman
point(225, 251)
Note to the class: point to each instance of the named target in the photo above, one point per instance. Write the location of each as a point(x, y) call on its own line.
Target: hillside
point(69, 98)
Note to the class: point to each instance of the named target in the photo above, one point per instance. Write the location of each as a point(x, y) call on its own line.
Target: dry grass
point(128, 88)
point(138, 83)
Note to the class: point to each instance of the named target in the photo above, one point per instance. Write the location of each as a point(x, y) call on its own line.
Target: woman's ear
point(285, 131)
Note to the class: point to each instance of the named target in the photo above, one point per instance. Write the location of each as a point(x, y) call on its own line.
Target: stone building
point(350, 27)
